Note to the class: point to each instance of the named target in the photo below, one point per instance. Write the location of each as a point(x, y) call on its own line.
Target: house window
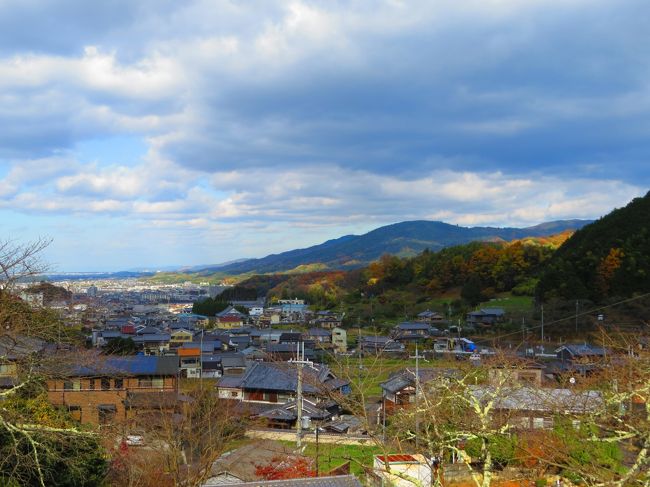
point(72, 385)
point(106, 413)
point(75, 412)
point(234, 393)
point(106, 384)
point(270, 397)
point(91, 384)
point(119, 383)
point(255, 396)
point(151, 382)
point(538, 423)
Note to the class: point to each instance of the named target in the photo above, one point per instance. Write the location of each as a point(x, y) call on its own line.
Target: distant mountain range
point(402, 239)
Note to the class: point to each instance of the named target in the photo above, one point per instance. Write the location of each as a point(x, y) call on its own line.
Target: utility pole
point(542, 323)
point(300, 363)
point(383, 410)
point(359, 355)
point(417, 395)
point(201, 361)
point(317, 452)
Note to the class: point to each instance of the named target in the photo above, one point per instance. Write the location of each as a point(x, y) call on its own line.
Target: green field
point(510, 304)
point(366, 374)
point(331, 456)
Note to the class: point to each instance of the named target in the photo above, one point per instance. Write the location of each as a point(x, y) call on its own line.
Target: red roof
point(188, 352)
point(229, 319)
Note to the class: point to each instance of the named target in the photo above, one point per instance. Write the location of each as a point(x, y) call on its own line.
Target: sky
point(150, 133)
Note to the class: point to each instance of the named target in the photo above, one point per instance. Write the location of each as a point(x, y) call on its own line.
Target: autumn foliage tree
point(283, 468)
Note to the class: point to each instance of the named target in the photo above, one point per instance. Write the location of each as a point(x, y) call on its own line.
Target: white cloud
point(149, 78)
point(326, 117)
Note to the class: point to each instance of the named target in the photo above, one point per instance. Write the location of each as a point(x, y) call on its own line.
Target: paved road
point(309, 437)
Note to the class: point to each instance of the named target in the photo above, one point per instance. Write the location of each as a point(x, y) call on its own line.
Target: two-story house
point(117, 389)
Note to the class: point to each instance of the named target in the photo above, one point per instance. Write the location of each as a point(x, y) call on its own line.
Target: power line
point(573, 316)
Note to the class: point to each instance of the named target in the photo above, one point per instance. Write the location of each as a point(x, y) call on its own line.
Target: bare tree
point(179, 447)
point(34, 440)
point(612, 442)
point(456, 410)
point(20, 261)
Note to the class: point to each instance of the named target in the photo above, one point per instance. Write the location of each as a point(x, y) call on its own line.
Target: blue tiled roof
point(130, 365)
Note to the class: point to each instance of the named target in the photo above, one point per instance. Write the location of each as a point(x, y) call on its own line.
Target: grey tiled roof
point(230, 310)
point(542, 400)
point(319, 332)
point(267, 376)
point(582, 349)
point(288, 411)
point(409, 325)
point(230, 381)
point(157, 337)
point(407, 378)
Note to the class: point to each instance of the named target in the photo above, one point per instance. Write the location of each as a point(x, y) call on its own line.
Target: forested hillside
point(464, 274)
point(608, 258)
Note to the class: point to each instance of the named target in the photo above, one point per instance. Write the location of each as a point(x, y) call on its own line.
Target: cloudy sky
point(156, 132)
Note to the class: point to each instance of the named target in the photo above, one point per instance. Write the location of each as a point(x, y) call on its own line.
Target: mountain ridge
point(403, 239)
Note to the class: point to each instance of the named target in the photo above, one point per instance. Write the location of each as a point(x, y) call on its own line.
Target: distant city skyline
point(156, 133)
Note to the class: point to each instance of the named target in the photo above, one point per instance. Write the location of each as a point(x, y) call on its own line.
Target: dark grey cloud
point(483, 85)
point(64, 26)
point(548, 88)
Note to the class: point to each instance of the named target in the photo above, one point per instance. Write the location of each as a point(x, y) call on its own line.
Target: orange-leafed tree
point(286, 468)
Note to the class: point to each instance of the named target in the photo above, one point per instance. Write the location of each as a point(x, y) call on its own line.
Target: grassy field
point(331, 456)
point(188, 385)
point(366, 374)
point(511, 304)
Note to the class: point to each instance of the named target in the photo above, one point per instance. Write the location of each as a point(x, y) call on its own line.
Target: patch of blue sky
point(114, 150)
point(4, 169)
